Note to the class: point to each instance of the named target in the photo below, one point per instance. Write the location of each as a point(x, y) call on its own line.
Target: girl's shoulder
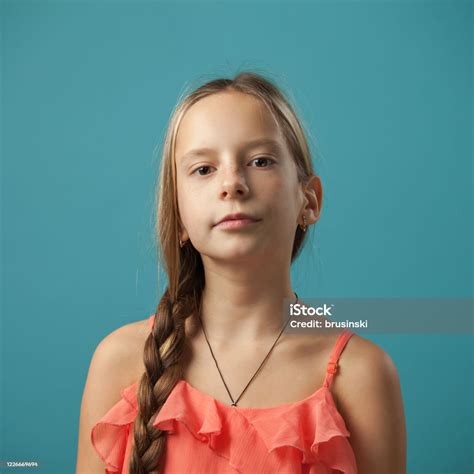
point(363, 357)
point(125, 345)
point(366, 373)
point(368, 395)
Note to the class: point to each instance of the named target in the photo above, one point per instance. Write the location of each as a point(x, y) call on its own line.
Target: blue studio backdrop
point(385, 91)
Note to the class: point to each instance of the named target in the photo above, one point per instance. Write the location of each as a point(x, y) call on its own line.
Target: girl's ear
point(182, 232)
point(313, 194)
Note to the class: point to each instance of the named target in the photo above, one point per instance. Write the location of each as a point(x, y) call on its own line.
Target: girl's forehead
point(222, 118)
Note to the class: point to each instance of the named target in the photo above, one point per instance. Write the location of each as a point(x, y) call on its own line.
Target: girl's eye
point(260, 158)
point(200, 168)
point(264, 158)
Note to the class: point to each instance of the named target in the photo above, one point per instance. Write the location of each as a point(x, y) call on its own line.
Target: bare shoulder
point(120, 353)
point(115, 364)
point(364, 365)
point(368, 394)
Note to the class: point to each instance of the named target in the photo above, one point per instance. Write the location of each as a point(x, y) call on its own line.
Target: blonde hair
point(165, 346)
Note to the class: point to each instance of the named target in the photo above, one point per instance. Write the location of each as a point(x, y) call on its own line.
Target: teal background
point(385, 89)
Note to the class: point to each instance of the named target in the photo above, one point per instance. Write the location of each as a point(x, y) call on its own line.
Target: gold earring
point(181, 243)
point(304, 224)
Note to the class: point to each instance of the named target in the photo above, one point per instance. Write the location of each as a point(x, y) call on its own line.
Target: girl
point(237, 194)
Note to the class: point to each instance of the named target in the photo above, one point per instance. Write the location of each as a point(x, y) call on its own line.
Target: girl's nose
point(233, 184)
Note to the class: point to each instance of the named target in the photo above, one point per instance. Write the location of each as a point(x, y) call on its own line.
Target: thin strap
point(332, 366)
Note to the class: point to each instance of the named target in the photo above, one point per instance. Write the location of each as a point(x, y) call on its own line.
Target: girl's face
point(233, 175)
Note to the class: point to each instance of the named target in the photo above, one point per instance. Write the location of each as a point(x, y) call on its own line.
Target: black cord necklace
point(234, 403)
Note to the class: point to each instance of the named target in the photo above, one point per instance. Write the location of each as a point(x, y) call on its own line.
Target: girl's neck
point(243, 316)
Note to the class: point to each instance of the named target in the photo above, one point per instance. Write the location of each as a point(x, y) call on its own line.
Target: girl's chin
point(242, 254)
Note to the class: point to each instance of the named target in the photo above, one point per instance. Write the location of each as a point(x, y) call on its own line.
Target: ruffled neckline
point(305, 425)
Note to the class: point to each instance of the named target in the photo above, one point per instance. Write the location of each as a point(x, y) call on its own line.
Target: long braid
point(164, 357)
point(163, 354)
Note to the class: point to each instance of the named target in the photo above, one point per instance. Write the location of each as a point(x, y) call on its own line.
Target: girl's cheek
point(196, 188)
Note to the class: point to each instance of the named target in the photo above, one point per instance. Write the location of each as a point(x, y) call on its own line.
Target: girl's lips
point(236, 223)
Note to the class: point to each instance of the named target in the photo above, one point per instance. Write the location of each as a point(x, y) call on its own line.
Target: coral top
point(206, 436)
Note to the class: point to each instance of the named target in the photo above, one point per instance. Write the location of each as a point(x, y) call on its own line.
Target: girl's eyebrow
point(250, 144)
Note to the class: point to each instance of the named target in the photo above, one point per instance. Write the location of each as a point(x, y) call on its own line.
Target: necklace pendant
point(234, 404)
